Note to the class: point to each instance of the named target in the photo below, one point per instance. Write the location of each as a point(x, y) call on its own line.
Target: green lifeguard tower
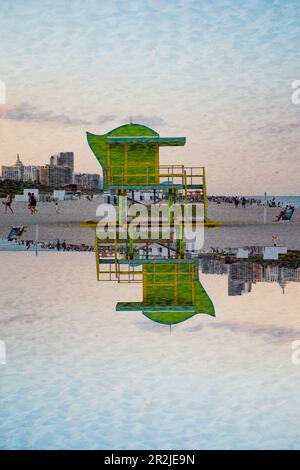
point(129, 157)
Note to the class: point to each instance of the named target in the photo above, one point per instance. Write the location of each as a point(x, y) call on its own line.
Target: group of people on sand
point(243, 201)
point(63, 246)
point(32, 202)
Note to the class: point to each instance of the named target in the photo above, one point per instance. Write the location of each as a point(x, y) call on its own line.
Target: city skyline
point(220, 74)
point(58, 172)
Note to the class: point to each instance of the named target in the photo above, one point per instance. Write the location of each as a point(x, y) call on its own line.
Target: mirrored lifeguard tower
point(162, 259)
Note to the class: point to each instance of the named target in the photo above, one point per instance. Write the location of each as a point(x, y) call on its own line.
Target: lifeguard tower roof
point(162, 141)
point(129, 154)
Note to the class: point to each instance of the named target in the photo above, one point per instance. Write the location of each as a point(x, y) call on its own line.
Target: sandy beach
point(240, 227)
point(244, 227)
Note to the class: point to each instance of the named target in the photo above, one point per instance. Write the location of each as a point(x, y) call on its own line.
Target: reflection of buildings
point(213, 266)
point(258, 272)
point(240, 278)
point(242, 274)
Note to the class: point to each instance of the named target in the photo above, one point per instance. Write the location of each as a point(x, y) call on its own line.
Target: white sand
point(241, 226)
point(64, 225)
point(81, 375)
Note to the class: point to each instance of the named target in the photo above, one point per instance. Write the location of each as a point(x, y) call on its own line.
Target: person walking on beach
point(243, 202)
point(29, 202)
point(274, 240)
point(7, 203)
point(58, 245)
point(56, 207)
point(33, 203)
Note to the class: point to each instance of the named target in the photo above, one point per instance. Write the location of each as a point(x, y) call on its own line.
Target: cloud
point(284, 127)
point(147, 120)
point(105, 118)
point(272, 333)
point(278, 127)
point(26, 112)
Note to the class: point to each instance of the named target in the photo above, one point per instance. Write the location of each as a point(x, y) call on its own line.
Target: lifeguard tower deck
point(172, 291)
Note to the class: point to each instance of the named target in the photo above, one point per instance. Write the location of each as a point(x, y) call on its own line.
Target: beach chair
point(289, 214)
point(285, 215)
point(16, 231)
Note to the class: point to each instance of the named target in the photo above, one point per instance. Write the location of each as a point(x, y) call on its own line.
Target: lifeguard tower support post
point(129, 157)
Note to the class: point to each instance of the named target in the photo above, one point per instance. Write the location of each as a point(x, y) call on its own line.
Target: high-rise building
point(31, 174)
point(65, 159)
point(13, 172)
point(20, 172)
point(10, 173)
point(55, 176)
point(87, 180)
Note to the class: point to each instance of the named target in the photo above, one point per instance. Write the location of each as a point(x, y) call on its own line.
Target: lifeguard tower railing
point(121, 259)
point(178, 176)
point(186, 179)
point(115, 265)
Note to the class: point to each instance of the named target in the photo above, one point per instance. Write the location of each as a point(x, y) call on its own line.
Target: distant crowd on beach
point(54, 245)
point(237, 201)
point(243, 201)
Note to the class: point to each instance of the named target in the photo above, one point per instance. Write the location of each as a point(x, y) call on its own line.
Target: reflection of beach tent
point(272, 252)
point(242, 253)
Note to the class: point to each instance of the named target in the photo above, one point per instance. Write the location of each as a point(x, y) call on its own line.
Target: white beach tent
point(24, 197)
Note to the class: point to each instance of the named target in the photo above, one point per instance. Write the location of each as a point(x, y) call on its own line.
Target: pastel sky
point(217, 72)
